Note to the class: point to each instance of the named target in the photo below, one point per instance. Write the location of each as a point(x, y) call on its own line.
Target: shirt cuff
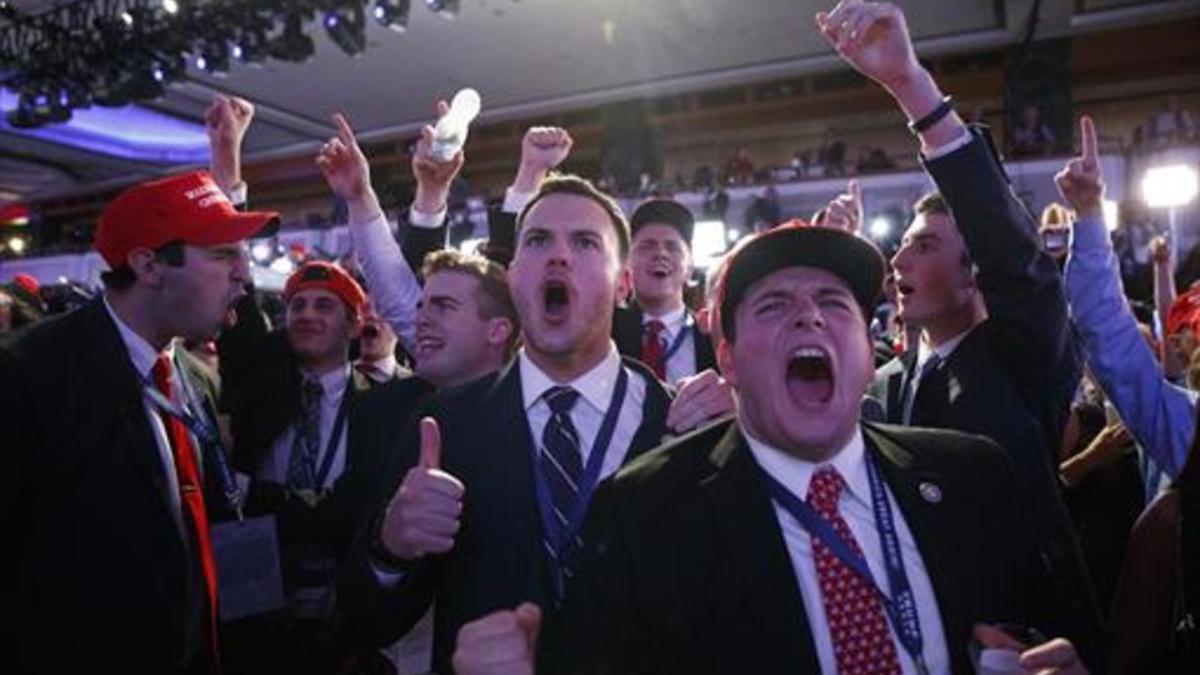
point(238, 194)
point(384, 576)
point(1089, 232)
point(429, 221)
point(514, 201)
point(946, 148)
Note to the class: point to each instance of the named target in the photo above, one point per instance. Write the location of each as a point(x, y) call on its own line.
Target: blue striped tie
point(562, 464)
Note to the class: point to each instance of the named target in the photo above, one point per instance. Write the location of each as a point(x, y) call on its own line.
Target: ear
point(146, 266)
point(725, 362)
point(624, 283)
point(499, 330)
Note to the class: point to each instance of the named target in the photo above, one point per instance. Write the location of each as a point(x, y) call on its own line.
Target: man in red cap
point(108, 563)
point(292, 395)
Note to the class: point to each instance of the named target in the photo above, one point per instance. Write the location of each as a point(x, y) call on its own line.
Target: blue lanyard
point(201, 427)
point(901, 607)
point(688, 322)
point(560, 533)
point(339, 423)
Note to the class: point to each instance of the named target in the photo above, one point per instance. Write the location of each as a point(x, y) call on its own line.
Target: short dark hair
point(933, 203)
point(580, 187)
point(493, 298)
point(122, 278)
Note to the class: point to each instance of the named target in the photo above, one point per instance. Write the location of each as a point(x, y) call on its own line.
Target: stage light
point(880, 227)
point(734, 234)
point(1169, 186)
point(447, 9)
point(292, 44)
point(17, 245)
point(261, 252)
point(170, 6)
point(392, 14)
point(214, 57)
point(708, 242)
point(347, 28)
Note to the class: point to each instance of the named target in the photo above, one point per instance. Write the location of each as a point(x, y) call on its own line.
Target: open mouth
point(428, 345)
point(810, 377)
point(556, 300)
point(660, 271)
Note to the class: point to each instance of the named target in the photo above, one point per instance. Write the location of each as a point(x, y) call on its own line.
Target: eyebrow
point(925, 236)
point(443, 300)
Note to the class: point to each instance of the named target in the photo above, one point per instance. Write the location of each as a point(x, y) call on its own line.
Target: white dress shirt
point(855, 507)
point(682, 363)
point(143, 357)
point(595, 389)
point(275, 464)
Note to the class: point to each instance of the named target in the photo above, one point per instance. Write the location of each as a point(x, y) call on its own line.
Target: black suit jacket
point(498, 560)
point(686, 569)
point(96, 571)
point(1013, 376)
point(627, 333)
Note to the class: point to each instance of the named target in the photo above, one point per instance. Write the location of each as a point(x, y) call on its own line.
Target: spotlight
point(392, 14)
point(214, 57)
point(261, 252)
point(292, 44)
point(16, 245)
point(709, 241)
point(734, 234)
point(170, 6)
point(1169, 186)
point(880, 227)
point(347, 29)
point(447, 9)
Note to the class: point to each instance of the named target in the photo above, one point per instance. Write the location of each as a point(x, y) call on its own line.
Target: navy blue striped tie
point(562, 464)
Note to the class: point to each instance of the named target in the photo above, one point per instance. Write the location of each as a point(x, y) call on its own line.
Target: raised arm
point(1159, 415)
point(392, 282)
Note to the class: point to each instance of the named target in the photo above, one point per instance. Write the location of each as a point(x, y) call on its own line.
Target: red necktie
point(191, 496)
point(653, 349)
point(862, 642)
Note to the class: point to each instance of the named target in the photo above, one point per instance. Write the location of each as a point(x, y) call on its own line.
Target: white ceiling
point(527, 58)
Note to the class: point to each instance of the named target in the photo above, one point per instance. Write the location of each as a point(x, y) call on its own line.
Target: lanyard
point(202, 428)
point(901, 606)
point(556, 531)
point(688, 323)
point(339, 423)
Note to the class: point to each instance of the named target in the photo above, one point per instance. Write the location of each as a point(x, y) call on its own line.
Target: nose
point(808, 315)
point(900, 260)
point(424, 316)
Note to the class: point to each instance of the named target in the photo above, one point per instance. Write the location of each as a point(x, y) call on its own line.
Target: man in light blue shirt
point(1160, 415)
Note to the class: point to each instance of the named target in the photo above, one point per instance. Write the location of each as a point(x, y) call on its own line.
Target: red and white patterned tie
point(862, 642)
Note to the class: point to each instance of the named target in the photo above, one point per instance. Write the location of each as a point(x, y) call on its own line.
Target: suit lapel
point(754, 544)
point(933, 525)
point(896, 382)
point(118, 385)
point(654, 411)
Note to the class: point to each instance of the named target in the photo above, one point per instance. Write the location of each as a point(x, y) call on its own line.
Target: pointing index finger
point(345, 133)
point(1087, 133)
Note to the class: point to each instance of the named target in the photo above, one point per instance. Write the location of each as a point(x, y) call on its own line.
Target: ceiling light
point(1169, 186)
point(392, 14)
point(447, 9)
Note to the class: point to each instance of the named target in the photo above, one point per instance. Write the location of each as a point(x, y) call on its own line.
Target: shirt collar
point(595, 386)
point(673, 321)
point(795, 473)
point(333, 383)
point(387, 365)
point(141, 353)
point(943, 350)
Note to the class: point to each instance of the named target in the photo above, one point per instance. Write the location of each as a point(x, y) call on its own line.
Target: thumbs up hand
point(423, 516)
point(501, 643)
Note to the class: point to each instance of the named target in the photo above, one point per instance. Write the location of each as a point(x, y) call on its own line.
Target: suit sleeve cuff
point(429, 221)
point(959, 143)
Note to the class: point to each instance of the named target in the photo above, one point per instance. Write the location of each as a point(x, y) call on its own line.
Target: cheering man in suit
point(108, 560)
point(494, 490)
point(798, 540)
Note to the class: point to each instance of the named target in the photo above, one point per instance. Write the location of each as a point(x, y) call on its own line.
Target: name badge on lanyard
point(900, 606)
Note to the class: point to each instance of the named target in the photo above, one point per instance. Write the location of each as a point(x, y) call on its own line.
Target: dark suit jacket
point(686, 569)
point(498, 560)
point(1012, 378)
point(96, 571)
point(627, 333)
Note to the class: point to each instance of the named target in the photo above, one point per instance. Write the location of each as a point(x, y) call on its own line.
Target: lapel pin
point(930, 492)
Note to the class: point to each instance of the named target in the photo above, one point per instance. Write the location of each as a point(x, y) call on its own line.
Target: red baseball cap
point(188, 208)
point(1184, 313)
point(327, 277)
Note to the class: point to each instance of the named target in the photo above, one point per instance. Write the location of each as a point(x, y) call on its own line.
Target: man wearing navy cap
point(800, 539)
point(657, 327)
point(108, 564)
